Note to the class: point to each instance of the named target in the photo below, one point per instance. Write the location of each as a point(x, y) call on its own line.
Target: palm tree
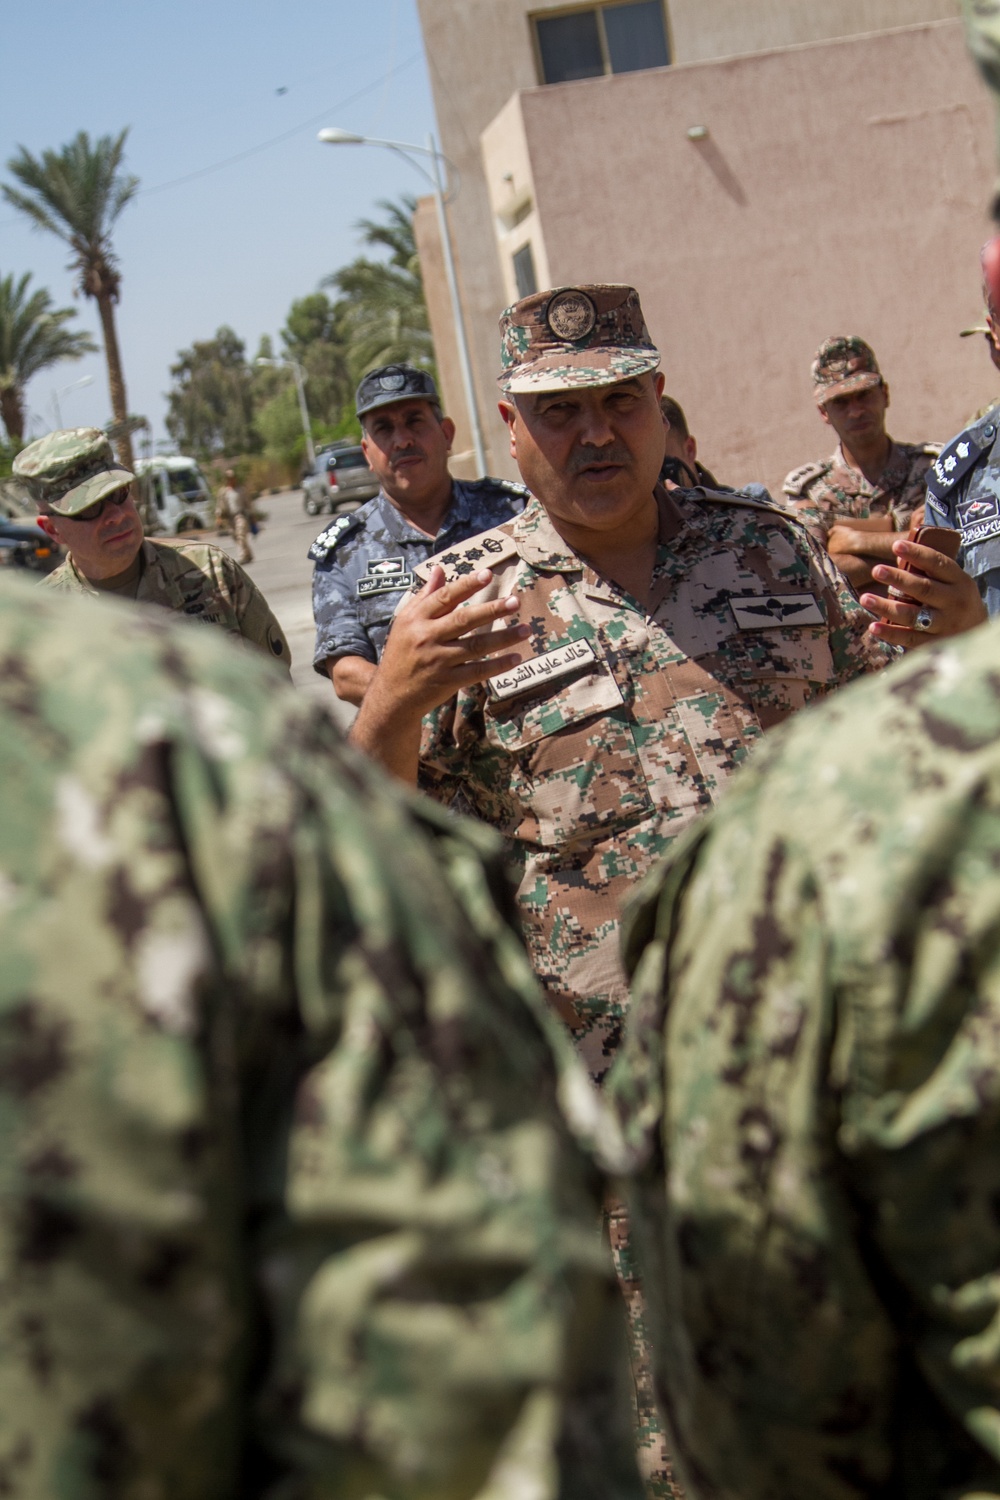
point(77, 193)
point(33, 336)
point(382, 307)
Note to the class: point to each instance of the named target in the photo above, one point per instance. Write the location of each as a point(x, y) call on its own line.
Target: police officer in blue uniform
point(963, 486)
point(365, 562)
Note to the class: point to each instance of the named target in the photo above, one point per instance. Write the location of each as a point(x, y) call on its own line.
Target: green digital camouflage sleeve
point(821, 1096)
point(290, 1206)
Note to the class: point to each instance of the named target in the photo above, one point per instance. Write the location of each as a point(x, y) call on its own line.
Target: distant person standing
point(682, 468)
point(231, 507)
point(869, 477)
point(86, 503)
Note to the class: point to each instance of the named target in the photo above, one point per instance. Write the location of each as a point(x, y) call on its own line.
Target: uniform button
point(989, 431)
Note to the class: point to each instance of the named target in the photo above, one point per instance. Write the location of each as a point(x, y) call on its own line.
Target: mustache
point(614, 453)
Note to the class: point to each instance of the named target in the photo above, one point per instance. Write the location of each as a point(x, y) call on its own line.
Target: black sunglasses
point(95, 511)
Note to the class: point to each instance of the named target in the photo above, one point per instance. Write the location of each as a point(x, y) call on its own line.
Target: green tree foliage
point(78, 193)
point(33, 337)
point(210, 410)
point(381, 304)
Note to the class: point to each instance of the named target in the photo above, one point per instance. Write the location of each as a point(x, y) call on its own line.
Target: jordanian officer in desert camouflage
point(661, 634)
point(86, 503)
point(814, 1055)
point(289, 1205)
point(365, 561)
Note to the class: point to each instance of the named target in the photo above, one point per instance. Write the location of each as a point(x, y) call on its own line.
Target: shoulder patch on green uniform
point(798, 481)
point(486, 550)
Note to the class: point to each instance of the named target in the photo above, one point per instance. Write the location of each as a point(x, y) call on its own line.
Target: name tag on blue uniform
point(386, 575)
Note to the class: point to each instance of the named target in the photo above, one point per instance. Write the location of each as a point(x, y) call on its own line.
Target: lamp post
point(300, 386)
point(64, 391)
point(335, 137)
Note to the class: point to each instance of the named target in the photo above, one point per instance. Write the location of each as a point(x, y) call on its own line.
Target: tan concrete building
point(796, 168)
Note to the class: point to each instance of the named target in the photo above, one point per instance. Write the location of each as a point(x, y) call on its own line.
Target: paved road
point(283, 572)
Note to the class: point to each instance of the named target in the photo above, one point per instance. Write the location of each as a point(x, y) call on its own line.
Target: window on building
point(611, 38)
point(524, 271)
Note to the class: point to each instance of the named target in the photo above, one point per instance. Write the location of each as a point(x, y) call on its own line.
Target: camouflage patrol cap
point(391, 383)
point(843, 365)
point(71, 469)
point(574, 336)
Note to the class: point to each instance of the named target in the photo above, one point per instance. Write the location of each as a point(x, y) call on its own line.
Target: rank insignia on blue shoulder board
point(955, 461)
point(328, 539)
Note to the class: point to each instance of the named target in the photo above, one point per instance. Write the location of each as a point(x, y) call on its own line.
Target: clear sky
point(241, 209)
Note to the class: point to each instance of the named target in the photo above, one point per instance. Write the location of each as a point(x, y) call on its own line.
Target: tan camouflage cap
point(574, 336)
point(71, 469)
point(843, 365)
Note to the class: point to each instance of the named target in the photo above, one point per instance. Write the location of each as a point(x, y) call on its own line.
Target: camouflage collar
point(540, 544)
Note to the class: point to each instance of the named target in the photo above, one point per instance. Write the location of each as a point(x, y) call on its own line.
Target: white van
point(173, 496)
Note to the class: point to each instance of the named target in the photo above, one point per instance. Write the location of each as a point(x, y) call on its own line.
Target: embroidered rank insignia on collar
point(538, 670)
point(769, 611)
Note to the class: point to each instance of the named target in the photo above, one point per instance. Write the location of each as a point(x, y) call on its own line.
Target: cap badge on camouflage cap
point(574, 336)
point(843, 365)
point(571, 315)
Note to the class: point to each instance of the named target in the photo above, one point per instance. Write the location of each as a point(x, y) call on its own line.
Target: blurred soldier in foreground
point(870, 478)
point(963, 487)
point(85, 501)
point(288, 1207)
point(813, 1066)
point(365, 561)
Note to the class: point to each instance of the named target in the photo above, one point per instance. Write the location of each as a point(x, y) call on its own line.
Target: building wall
point(480, 54)
point(788, 222)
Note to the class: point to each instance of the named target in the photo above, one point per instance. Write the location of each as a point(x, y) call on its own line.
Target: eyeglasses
point(95, 512)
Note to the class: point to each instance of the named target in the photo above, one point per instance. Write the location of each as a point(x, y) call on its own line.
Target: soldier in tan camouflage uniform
point(289, 1208)
point(662, 634)
point(869, 477)
point(86, 503)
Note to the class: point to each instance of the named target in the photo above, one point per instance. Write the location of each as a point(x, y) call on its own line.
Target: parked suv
point(342, 481)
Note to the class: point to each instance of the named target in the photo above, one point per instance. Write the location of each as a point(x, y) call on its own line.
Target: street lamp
point(300, 386)
point(64, 391)
point(334, 137)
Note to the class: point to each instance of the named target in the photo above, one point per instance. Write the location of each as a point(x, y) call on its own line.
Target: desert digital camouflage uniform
point(289, 1206)
point(365, 561)
point(821, 494)
point(621, 727)
point(199, 582)
point(813, 1061)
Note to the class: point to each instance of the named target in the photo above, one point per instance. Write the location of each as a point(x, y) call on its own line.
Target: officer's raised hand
point(438, 644)
point(948, 601)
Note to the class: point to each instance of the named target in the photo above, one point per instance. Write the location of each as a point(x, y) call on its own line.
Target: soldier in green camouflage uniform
point(288, 1208)
point(814, 1069)
point(86, 504)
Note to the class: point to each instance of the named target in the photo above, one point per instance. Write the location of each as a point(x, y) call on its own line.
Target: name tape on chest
point(382, 580)
point(768, 611)
point(540, 669)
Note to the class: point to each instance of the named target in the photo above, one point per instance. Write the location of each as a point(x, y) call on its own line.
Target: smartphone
point(941, 539)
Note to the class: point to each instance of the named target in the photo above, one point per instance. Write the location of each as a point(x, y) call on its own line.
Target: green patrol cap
point(71, 469)
point(574, 336)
